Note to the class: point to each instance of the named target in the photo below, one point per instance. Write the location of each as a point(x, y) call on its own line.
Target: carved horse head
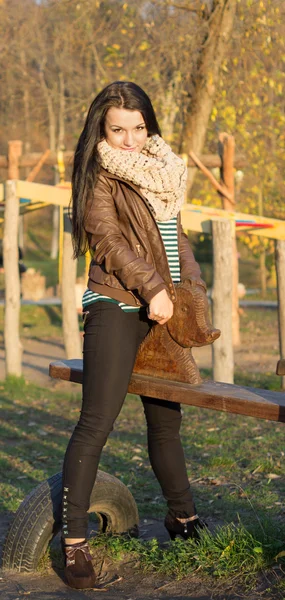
point(190, 325)
point(166, 350)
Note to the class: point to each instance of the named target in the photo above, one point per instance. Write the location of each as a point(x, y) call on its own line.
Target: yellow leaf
point(144, 46)
point(280, 554)
point(228, 548)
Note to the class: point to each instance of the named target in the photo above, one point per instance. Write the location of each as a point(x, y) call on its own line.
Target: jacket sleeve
point(188, 265)
point(113, 249)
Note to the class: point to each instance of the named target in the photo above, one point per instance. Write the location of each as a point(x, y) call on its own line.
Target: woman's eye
point(141, 127)
point(116, 130)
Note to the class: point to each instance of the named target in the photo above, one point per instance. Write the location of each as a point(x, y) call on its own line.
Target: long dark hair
point(121, 94)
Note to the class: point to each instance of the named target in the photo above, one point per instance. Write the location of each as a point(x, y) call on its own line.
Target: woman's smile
point(125, 129)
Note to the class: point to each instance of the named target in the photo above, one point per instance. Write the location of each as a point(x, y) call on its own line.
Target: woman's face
point(125, 129)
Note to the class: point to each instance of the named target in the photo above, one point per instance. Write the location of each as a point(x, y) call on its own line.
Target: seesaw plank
point(252, 402)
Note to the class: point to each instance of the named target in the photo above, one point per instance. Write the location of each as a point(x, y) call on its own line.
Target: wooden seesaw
point(164, 369)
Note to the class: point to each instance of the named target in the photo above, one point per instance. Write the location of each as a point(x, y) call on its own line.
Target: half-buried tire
point(38, 518)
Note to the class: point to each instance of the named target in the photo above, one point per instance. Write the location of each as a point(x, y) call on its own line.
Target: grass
point(232, 551)
point(235, 464)
point(236, 467)
point(40, 321)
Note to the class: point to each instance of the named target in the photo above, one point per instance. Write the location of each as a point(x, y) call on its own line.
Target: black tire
point(38, 518)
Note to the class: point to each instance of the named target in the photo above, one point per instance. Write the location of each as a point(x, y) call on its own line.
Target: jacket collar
point(132, 185)
point(117, 178)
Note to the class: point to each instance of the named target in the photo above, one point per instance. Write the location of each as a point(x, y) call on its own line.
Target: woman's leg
point(167, 456)
point(110, 345)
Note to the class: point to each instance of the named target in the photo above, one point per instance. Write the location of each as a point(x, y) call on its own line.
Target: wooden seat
point(165, 368)
point(252, 402)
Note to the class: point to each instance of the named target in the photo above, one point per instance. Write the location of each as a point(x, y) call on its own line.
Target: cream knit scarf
point(156, 170)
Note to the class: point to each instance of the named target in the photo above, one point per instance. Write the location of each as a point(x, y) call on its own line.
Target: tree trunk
point(61, 116)
point(170, 107)
point(52, 145)
point(50, 109)
point(27, 125)
point(222, 349)
point(71, 336)
point(55, 223)
point(220, 24)
point(13, 347)
point(280, 272)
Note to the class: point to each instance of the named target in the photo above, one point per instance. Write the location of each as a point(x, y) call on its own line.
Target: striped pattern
point(89, 297)
point(168, 230)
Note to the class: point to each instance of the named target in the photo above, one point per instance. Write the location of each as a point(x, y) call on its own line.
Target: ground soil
point(124, 582)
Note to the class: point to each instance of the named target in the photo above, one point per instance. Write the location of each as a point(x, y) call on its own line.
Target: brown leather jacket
point(129, 259)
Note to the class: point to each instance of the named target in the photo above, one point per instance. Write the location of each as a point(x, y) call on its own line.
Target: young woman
point(127, 188)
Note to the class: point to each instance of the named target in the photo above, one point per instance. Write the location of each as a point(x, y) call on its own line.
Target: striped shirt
point(168, 230)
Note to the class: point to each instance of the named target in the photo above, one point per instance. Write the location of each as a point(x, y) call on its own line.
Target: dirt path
point(117, 582)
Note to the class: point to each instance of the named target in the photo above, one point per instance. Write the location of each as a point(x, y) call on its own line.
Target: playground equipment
point(38, 519)
point(23, 196)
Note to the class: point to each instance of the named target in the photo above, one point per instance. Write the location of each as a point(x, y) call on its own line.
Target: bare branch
point(183, 7)
point(219, 187)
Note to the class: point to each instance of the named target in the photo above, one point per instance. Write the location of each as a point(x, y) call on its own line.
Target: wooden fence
point(222, 223)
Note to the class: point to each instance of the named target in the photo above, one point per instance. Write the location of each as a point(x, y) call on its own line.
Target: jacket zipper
point(155, 223)
point(152, 216)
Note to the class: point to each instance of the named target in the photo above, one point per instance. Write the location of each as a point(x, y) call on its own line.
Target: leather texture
point(128, 251)
point(79, 571)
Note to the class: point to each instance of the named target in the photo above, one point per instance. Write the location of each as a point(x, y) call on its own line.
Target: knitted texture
point(156, 170)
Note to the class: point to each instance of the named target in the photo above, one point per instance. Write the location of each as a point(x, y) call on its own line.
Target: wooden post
point(262, 256)
point(13, 347)
point(71, 336)
point(14, 153)
point(227, 151)
point(15, 148)
point(222, 349)
point(280, 272)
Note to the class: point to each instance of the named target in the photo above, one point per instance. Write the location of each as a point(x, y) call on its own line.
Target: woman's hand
point(160, 308)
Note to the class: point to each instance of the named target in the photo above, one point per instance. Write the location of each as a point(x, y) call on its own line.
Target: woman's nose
point(129, 139)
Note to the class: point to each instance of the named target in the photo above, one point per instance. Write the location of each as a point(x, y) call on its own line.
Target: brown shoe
point(79, 571)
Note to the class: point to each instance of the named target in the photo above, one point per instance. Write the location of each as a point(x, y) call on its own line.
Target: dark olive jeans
point(111, 341)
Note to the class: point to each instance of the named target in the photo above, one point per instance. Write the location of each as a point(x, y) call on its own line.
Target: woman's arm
point(110, 246)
